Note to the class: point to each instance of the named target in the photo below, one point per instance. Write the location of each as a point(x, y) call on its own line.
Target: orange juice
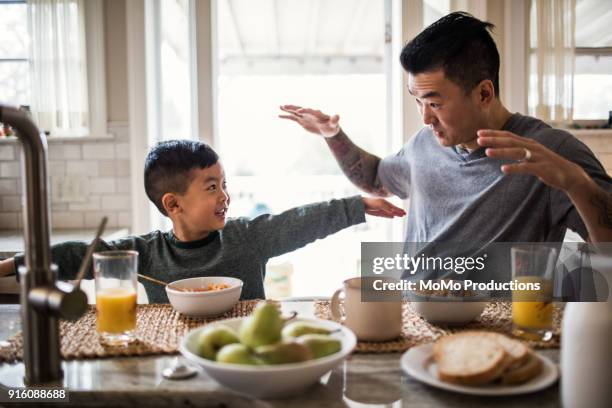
point(533, 309)
point(115, 310)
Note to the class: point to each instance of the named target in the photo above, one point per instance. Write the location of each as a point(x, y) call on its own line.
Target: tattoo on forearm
point(603, 202)
point(358, 165)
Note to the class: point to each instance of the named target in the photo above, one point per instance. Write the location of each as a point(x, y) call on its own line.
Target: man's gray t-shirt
point(459, 196)
point(240, 250)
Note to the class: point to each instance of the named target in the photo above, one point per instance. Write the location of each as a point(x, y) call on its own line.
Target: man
point(476, 172)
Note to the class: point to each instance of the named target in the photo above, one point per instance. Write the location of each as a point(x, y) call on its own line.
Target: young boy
point(186, 182)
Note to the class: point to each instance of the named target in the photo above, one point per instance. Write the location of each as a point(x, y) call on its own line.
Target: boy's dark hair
point(461, 45)
point(169, 164)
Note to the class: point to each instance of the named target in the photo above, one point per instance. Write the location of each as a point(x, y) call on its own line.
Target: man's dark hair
point(461, 45)
point(169, 164)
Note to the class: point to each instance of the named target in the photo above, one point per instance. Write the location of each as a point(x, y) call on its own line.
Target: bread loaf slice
point(470, 358)
point(523, 373)
point(517, 350)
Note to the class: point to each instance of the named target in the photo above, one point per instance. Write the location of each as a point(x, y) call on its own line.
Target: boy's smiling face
point(203, 207)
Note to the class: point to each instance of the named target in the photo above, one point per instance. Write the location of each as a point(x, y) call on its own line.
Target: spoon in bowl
point(159, 282)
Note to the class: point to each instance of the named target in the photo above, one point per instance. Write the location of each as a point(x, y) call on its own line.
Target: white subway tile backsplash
point(102, 166)
point(122, 168)
point(82, 167)
point(124, 219)
point(106, 168)
point(56, 167)
point(598, 143)
point(67, 219)
point(7, 152)
point(9, 187)
point(10, 169)
point(93, 203)
point(64, 151)
point(99, 151)
point(122, 151)
point(92, 219)
point(11, 203)
point(102, 185)
point(123, 184)
point(116, 202)
point(9, 220)
point(59, 206)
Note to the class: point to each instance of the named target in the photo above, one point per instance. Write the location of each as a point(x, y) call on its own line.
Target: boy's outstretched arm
point(68, 257)
point(360, 166)
point(273, 235)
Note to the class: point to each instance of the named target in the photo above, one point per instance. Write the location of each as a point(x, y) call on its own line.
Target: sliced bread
point(469, 358)
point(530, 368)
point(517, 350)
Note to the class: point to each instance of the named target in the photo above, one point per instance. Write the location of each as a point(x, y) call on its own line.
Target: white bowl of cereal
point(204, 296)
point(448, 306)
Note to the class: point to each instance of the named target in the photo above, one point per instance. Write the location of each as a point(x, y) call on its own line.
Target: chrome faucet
point(43, 300)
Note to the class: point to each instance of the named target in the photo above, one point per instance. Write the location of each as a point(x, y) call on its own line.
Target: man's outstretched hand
point(594, 204)
point(312, 120)
point(543, 163)
point(380, 207)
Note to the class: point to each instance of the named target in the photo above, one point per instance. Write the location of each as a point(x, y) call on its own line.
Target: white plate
point(418, 362)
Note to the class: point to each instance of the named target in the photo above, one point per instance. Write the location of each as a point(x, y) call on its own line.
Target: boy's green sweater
point(239, 250)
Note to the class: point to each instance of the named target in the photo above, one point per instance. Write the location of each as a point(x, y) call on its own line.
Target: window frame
point(582, 124)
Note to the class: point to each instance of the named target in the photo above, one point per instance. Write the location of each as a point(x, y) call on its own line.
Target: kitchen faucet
point(43, 300)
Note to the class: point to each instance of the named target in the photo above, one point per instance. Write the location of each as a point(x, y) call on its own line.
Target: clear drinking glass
point(116, 291)
point(532, 310)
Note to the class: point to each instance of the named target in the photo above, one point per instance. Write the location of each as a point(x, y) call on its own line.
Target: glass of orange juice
point(116, 288)
point(532, 309)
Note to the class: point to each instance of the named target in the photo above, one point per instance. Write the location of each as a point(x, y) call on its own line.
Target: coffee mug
point(373, 320)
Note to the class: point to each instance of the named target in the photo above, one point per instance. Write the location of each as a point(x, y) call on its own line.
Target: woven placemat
point(159, 331)
point(497, 316)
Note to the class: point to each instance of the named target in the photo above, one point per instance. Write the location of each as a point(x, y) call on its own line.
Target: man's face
point(205, 203)
point(453, 116)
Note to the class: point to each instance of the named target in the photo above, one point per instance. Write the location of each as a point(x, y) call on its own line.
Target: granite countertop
point(363, 380)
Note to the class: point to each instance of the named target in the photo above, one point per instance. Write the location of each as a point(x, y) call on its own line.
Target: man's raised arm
point(359, 166)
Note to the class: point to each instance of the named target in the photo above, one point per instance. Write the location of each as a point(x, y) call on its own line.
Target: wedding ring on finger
point(527, 156)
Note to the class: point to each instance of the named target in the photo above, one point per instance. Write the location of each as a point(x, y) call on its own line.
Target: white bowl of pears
point(266, 355)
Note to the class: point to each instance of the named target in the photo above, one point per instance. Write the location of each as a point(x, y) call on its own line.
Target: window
point(587, 88)
point(14, 54)
point(593, 69)
point(325, 55)
point(52, 59)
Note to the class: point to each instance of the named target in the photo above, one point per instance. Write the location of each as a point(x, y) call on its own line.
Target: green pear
point(211, 340)
point(283, 353)
point(297, 329)
point(263, 327)
point(320, 345)
point(237, 353)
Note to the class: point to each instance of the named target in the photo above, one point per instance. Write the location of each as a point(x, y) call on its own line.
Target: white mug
point(370, 320)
